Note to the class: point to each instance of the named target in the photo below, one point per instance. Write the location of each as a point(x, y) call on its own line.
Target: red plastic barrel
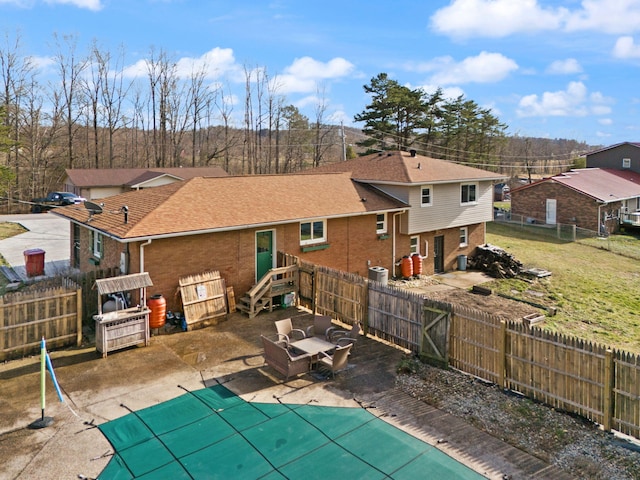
point(416, 259)
point(406, 267)
point(158, 315)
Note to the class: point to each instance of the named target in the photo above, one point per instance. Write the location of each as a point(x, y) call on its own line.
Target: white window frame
point(381, 223)
point(626, 163)
point(414, 244)
point(97, 244)
point(464, 236)
point(313, 240)
point(422, 202)
point(466, 201)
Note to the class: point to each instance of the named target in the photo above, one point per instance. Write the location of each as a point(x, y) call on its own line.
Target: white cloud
point(484, 68)
point(501, 18)
point(215, 63)
point(564, 67)
point(605, 121)
point(94, 5)
point(605, 16)
point(304, 74)
point(495, 18)
point(448, 93)
point(307, 67)
point(574, 102)
point(625, 47)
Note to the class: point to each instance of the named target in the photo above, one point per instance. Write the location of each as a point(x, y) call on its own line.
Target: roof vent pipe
point(412, 152)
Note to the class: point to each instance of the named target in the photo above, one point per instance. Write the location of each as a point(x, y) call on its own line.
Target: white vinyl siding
point(446, 212)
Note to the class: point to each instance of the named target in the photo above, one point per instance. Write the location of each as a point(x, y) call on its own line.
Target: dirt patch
point(493, 304)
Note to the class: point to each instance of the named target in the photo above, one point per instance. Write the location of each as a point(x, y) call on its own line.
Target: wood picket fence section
point(626, 393)
point(477, 344)
point(564, 372)
point(53, 312)
point(395, 315)
point(306, 273)
point(340, 294)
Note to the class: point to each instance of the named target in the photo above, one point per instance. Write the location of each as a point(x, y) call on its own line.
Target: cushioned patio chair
point(346, 337)
point(280, 358)
point(336, 362)
point(286, 331)
point(321, 327)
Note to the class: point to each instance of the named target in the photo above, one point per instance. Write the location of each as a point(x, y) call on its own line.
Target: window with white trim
point(425, 196)
point(468, 193)
point(97, 245)
point(313, 232)
point(414, 245)
point(464, 236)
point(626, 163)
point(381, 223)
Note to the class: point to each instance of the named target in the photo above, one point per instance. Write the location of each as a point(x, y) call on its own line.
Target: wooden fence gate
point(435, 335)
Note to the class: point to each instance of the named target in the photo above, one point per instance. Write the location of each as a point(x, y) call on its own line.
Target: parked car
point(55, 199)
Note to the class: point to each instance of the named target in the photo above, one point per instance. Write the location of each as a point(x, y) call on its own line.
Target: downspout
point(142, 245)
point(393, 242)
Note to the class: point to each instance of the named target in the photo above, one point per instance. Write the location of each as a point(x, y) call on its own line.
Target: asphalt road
point(47, 232)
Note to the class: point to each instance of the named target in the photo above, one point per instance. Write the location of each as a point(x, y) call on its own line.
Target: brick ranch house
point(94, 183)
point(601, 197)
point(236, 224)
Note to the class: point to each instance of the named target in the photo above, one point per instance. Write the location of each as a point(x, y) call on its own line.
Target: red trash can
point(34, 262)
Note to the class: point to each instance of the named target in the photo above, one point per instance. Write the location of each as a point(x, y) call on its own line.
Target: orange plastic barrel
point(406, 267)
point(416, 260)
point(158, 306)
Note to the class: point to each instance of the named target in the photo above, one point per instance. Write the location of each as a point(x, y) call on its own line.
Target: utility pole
point(344, 142)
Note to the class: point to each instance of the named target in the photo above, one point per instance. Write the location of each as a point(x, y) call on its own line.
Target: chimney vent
point(412, 152)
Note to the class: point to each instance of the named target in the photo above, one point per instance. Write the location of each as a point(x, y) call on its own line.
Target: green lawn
point(596, 291)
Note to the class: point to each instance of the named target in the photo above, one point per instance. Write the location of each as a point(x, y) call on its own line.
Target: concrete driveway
point(47, 232)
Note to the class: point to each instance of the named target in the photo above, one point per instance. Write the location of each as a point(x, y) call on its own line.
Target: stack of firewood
point(495, 262)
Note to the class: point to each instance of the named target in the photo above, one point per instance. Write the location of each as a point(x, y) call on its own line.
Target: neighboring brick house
point(590, 198)
point(95, 183)
point(601, 197)
point(349, 220)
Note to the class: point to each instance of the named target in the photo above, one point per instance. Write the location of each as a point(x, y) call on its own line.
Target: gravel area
point(571, 443)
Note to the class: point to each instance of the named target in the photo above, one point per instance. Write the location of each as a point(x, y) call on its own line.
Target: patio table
point(313, 345)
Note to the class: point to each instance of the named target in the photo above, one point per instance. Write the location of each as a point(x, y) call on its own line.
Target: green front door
point(264, 253)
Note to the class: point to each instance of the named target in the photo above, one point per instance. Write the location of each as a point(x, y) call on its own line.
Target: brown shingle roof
point(203, 204)
point(112, 177)
point(401, 168)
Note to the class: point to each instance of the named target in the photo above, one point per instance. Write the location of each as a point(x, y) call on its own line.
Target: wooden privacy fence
point(564, 372)
point(53, 312)
point(340, 294)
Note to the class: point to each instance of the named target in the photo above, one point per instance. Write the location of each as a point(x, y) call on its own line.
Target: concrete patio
point(97, 390)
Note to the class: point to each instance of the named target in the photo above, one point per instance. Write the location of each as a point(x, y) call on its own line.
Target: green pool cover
point(213, 433)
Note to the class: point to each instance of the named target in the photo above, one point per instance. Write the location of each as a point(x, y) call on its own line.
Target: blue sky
point(555, 69)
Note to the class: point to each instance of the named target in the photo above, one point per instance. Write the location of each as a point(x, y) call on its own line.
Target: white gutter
point(265, 225)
